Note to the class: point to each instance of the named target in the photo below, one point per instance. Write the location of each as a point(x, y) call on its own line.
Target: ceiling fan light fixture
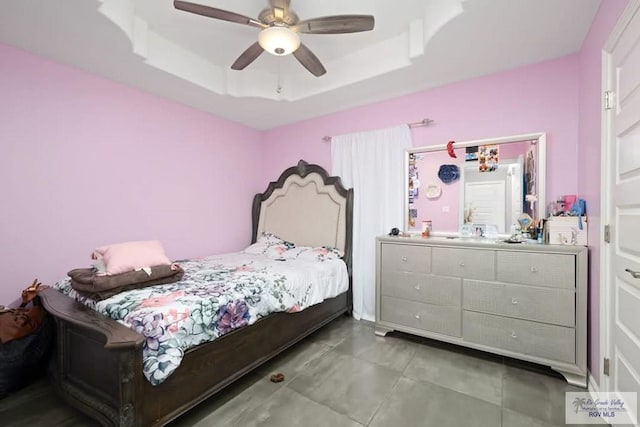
point(279, 40)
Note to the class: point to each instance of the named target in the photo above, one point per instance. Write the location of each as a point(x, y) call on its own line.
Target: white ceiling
point(416, 45)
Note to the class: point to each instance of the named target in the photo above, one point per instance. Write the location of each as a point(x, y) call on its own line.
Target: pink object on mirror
point(569, 200)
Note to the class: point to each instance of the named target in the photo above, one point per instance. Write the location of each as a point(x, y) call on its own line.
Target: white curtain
point(372, 163)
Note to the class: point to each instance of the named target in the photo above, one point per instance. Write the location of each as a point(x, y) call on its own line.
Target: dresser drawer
point(550, 270)
point(420, 287)
point(426, 317)
point(547, 305)
point(520, 336)
point(469, 263)
point(413, 258)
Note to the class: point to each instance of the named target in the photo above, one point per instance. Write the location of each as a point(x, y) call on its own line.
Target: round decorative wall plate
point(448, 173)
point(433, 191)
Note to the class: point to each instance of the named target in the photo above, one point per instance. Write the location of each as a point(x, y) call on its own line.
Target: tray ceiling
point(416, 45)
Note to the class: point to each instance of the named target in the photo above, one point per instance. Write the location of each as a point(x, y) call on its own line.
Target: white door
point(622, 206)
point(487, 202)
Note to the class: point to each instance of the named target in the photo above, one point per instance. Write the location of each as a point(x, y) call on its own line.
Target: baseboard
point(594, 388)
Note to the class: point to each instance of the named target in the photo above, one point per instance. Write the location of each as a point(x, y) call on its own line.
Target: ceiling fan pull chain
point(279, 87)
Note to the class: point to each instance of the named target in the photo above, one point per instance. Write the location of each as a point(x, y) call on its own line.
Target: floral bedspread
point(216, 295)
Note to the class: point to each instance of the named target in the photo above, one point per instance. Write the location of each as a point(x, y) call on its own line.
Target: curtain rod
point(423, 122)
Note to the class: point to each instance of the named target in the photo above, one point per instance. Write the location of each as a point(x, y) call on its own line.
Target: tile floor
point(344, 375)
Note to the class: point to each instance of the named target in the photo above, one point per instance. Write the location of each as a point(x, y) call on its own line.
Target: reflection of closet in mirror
point(496, 197)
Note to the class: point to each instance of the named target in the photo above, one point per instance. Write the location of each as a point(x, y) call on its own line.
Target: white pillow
point(269, 244)
point(318, 253)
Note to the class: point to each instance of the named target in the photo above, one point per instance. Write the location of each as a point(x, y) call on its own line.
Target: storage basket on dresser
point(523, 301)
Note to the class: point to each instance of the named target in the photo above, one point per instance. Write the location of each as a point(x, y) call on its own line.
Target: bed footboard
point(97, 363)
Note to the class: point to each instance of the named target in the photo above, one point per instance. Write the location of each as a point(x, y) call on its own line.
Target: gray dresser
point(525, 301)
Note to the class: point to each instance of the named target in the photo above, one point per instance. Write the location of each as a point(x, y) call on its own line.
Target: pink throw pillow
point(129, 256)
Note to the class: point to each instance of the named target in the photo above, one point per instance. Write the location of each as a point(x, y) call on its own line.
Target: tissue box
point(563, 230)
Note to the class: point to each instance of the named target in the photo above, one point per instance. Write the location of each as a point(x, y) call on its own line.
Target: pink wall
point(537, 98)
point(88, 162)
point(428, 165)
point(589, 129)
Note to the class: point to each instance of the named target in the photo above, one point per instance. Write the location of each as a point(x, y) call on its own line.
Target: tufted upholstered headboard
point(308, 207)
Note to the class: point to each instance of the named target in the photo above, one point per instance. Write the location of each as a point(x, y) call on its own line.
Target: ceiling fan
point(280, 27)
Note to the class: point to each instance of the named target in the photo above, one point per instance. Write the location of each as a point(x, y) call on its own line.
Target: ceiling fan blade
point(309, 60)
point(336, 24)
point(212, 12)
point(247, 57)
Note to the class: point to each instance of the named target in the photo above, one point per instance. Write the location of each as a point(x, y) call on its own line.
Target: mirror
point(490, 186)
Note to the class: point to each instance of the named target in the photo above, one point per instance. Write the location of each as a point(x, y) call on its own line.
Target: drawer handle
point(534, 270)
point(404, 258)
point(462, 264)
point(513, 335)
point(416, 287)
point(417, 316)
point(514, 301)
point(634, 274)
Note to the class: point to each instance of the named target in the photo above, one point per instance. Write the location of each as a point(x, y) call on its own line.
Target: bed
point(97, 363)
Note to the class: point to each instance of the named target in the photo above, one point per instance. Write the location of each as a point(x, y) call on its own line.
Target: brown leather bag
point(19, 322)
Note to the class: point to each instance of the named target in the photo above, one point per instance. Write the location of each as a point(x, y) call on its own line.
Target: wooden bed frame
point(97, 362)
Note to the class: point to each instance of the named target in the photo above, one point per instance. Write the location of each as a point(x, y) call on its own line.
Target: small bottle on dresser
point(541, 231)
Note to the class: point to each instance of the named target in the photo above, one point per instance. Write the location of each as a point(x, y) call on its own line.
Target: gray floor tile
point(295, 360)
point(415, 403)
point(464, 373)
point(334, 333)
point(347, 385)
point(391, 352)
point(514, 419)
point(224, 408)
point(37, 405)
point(539, 396)
point(289, 408)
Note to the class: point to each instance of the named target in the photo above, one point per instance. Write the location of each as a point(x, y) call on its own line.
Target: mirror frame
point(541, 168)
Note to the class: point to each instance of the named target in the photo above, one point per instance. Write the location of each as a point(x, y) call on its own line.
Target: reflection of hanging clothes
point(413, 190)
point(529, 178)
point(530, 171)
point(525, 185)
